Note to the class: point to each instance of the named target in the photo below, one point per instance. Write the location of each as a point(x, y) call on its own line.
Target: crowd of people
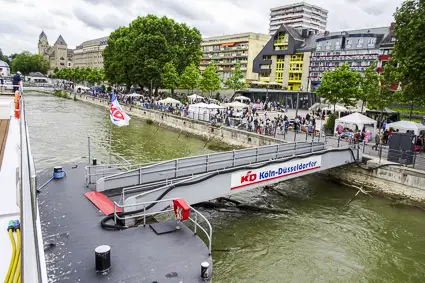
point(263, 117)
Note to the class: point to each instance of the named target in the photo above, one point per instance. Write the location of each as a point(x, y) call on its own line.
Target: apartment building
point(285, 59)
point(89, 53)
point(228, 50)
point(386, 48)
point(357, 47)
point(298, 15)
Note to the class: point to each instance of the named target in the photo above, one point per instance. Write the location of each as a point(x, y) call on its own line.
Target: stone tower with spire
point(56, 55)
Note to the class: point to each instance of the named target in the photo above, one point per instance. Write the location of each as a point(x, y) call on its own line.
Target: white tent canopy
point(356, 119)
point(133, 95)
point(242, 99)
point(195, 97)
point(404, 126)
point(81, 87)
point(236, 105)
point(199, 105)
point(338, 108)
point(215, 106)
point(169, 100)
point(328, 107)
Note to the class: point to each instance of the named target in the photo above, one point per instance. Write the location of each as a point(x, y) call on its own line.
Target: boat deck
point(71, 232)
point(4, 130)
point(9, 163)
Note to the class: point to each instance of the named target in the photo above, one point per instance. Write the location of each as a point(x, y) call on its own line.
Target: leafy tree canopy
point(170, 77)
point(138, 53)
point(369, 87)
point(408, 56)
point(27, 63)
point(210, 80)
point(235, 81)
point(92, 76)
point(190, 77)
point(340, 86)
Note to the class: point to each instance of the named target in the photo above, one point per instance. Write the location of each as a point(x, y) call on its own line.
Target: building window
point(328, 45)
point(349, 42)
point(359, 42)
point(295, 76)
point(267, 57)
point(319, 46)
point(338, 45)
point(371, 42)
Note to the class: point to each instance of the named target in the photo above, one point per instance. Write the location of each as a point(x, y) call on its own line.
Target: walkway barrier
point(96, 172)
point(33, 262)
point(191, 166)
point(169, 209)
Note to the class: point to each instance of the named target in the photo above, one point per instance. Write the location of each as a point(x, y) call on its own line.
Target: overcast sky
point(21, 21)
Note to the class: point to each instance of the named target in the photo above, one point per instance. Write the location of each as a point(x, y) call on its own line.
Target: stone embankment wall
point(194, 127)
point(396, 182)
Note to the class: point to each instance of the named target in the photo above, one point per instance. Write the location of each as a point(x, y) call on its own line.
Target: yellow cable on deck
point(12, 260)
point(18, 268)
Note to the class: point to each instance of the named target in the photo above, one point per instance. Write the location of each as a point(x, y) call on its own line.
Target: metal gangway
point(206, 177)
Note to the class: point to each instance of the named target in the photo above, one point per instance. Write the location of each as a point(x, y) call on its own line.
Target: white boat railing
point(32, 249)
point(144, 213)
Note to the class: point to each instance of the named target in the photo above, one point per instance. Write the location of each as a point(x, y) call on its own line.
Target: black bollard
point(103, 259)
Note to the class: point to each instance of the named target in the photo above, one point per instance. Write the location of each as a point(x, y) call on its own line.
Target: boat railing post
point(206, 163)
point(277, 151)
point(115, 213)
point(88, 138)
point(295, 149)
point(196, 223)
point(144, 215)
point(176, 167)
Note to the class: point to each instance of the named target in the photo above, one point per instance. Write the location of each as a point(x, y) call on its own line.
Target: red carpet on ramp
point(102, 202)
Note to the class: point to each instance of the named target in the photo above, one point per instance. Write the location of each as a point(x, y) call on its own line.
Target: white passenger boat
point(58, 232)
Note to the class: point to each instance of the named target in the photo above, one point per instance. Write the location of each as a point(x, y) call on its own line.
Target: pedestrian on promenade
point(16, 80)
point(1, 82)
point(377, 141)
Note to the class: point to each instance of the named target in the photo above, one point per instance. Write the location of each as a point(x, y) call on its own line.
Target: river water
point(322, 239)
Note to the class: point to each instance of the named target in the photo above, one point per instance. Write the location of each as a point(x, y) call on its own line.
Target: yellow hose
point(12, 240)
point(18, 268)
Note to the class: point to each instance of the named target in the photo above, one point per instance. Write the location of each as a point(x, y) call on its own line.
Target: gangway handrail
point(210, 162)
point(144, 214)
point(102, 170)
point(203, 177)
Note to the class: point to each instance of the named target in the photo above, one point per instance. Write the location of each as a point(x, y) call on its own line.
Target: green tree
point(210, 80)
point(190, 78)
point(369, 86)
point(137, 54)
point(4, 57)
point(27, 63)
point(385, 95)
point(408, 56)
point(235, 81)
point(340, 86)
point(170, 77)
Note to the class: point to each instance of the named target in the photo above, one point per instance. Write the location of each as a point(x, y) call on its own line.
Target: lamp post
point(298, 100)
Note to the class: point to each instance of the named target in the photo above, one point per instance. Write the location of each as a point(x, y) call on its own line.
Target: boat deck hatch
point(4, 129)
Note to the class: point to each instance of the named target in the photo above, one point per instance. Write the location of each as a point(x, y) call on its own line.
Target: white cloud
point(21, 21)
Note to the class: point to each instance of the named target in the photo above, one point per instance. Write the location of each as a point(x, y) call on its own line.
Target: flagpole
point(110, 142)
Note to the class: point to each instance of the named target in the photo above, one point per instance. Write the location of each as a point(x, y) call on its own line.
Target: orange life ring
point(17, 104)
